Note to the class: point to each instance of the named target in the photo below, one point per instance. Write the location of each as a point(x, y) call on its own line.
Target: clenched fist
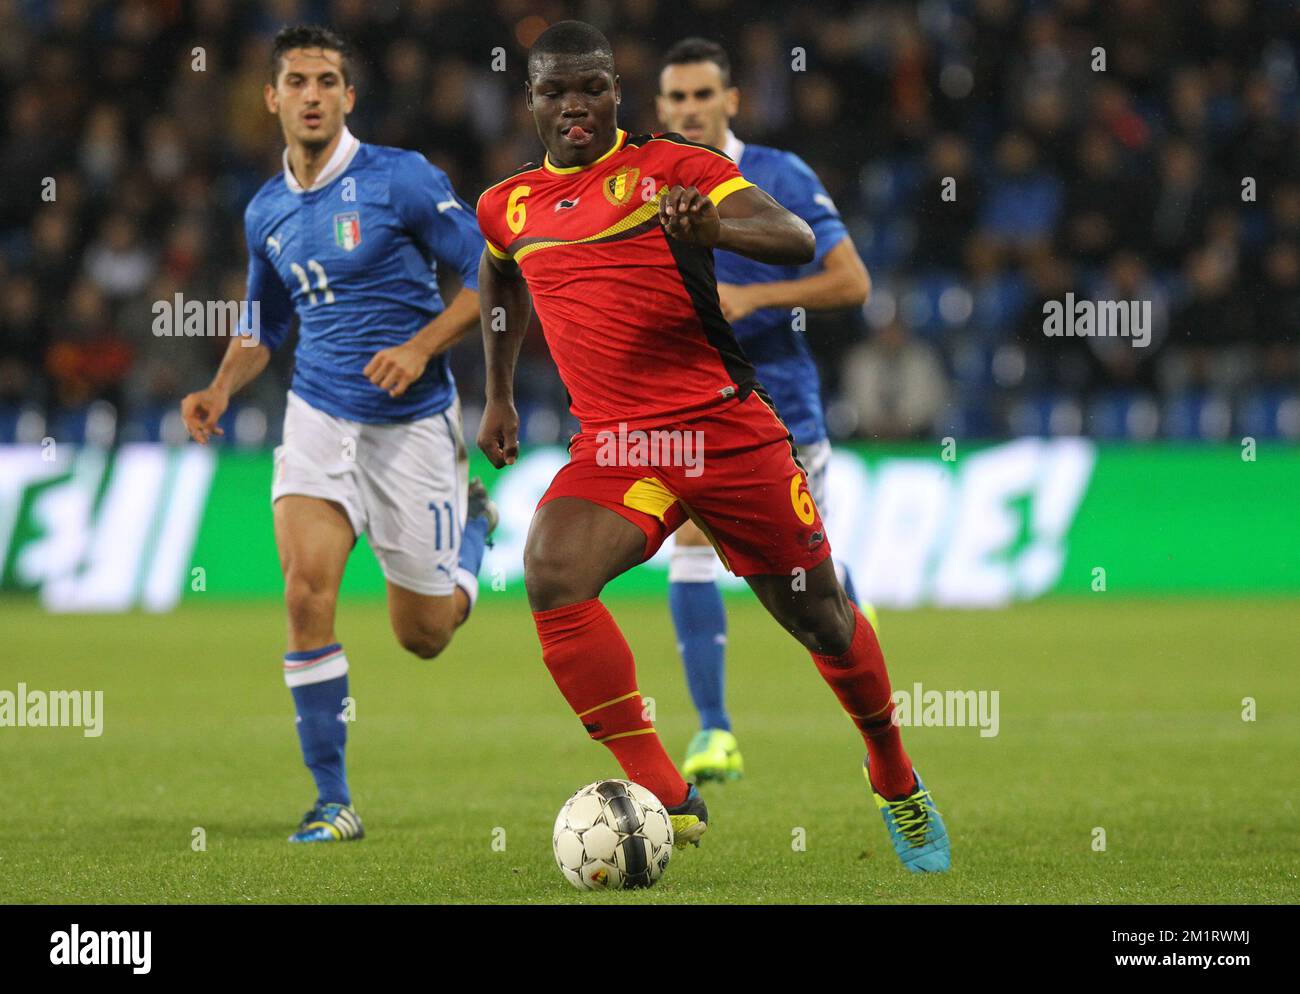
point(498, 433)
point(689, 216)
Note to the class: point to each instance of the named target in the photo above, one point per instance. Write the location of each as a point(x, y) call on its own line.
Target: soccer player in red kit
point(612, 235)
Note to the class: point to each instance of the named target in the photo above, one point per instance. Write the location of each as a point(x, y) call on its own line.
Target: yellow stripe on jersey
point(643, 213)
point(496, 251)
point(726, 188)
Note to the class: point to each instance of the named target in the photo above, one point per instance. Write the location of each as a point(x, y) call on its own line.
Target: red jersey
point(631, 315)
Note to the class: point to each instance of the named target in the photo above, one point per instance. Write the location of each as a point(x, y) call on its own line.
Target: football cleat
point(331, 822)
point(713, 754)
point(690, 819)
point(915, 828)
point(483, 506)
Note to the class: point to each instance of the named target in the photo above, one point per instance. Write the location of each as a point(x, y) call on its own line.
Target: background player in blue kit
point(697, 100)
point(348, 237)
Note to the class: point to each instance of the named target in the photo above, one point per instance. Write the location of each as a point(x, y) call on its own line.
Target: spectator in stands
point(895, 383)
point(127, 167)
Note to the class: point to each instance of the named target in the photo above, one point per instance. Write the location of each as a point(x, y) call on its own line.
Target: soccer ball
point(612, 834)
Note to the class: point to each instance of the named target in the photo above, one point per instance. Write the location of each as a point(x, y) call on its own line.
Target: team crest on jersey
point(620, 186)
point(347, 230)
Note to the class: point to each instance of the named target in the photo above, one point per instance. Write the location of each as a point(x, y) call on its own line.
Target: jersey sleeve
point(269, 309)
point(800, 192)
point(488, 210)
point(441, 223)
point(707, 169)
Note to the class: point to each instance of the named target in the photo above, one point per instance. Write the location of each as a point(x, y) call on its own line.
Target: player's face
point(694, 102)
point(310, 97)
point(575, 106)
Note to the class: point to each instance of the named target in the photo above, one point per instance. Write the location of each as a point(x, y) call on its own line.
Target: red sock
point(859, 680)
point(593, 667)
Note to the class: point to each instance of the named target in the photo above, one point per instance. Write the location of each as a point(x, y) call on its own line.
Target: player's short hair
point(690, 50)
point(311, 36)
point(571, 38)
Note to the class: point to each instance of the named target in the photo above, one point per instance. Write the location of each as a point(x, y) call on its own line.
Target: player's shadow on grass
point(272, 829)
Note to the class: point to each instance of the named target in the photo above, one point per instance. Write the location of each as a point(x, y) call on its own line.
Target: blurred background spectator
point(985, 161)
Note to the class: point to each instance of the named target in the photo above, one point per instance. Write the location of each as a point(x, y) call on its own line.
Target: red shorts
point(732, 471)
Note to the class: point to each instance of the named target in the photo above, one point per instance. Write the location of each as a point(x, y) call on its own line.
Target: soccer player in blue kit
point(697, 100)
point(348, 237)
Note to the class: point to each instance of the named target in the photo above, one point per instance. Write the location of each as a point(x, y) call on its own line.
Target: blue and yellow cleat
point(331, 822)
point(690, 819)
point(915, 828)
point(713, 754)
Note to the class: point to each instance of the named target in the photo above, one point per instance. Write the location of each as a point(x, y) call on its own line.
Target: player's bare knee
point(310, 604)
point(425, 641)
point(553, 581)
point(548, 587)
point(426, 646)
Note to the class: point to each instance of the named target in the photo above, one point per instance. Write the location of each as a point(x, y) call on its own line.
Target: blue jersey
point(356, 257)
point(779, 353)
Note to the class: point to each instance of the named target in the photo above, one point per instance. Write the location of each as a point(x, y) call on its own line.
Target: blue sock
point(472, 540)
point(848, 586)
point(701, 624)
point(321, 729)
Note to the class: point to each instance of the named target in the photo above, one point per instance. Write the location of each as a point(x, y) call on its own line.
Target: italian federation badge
point(347, 230)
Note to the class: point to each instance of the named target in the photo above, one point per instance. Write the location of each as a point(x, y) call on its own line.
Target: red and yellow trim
point(726, 188)
point(616, 700)
point(645, 212)
point(512, 178)
point(620, 136)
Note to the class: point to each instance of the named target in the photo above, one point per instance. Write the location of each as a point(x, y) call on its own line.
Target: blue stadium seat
point(9, 424)
point(1265, 414)
point(69, 426)
point(971, 418)
point(1046, 413)
point(1122, 415)
point(1196, 415)
point(144, 425)
point(999, 306)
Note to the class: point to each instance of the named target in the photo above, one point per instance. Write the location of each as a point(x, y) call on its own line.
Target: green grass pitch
point(1115, 714)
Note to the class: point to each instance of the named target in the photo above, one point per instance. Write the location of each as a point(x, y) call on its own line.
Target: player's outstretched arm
point(504, 307)
point(843, 281)
point(748, 222)
point(242, 363)
point(394, 369)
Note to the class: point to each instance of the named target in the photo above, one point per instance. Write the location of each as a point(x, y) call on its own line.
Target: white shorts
point(814, 459)
point(404, 486)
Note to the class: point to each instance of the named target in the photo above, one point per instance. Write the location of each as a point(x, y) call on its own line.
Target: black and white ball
point(612, 834)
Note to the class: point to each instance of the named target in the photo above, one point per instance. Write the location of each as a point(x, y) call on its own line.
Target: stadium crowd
point(988, 156)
